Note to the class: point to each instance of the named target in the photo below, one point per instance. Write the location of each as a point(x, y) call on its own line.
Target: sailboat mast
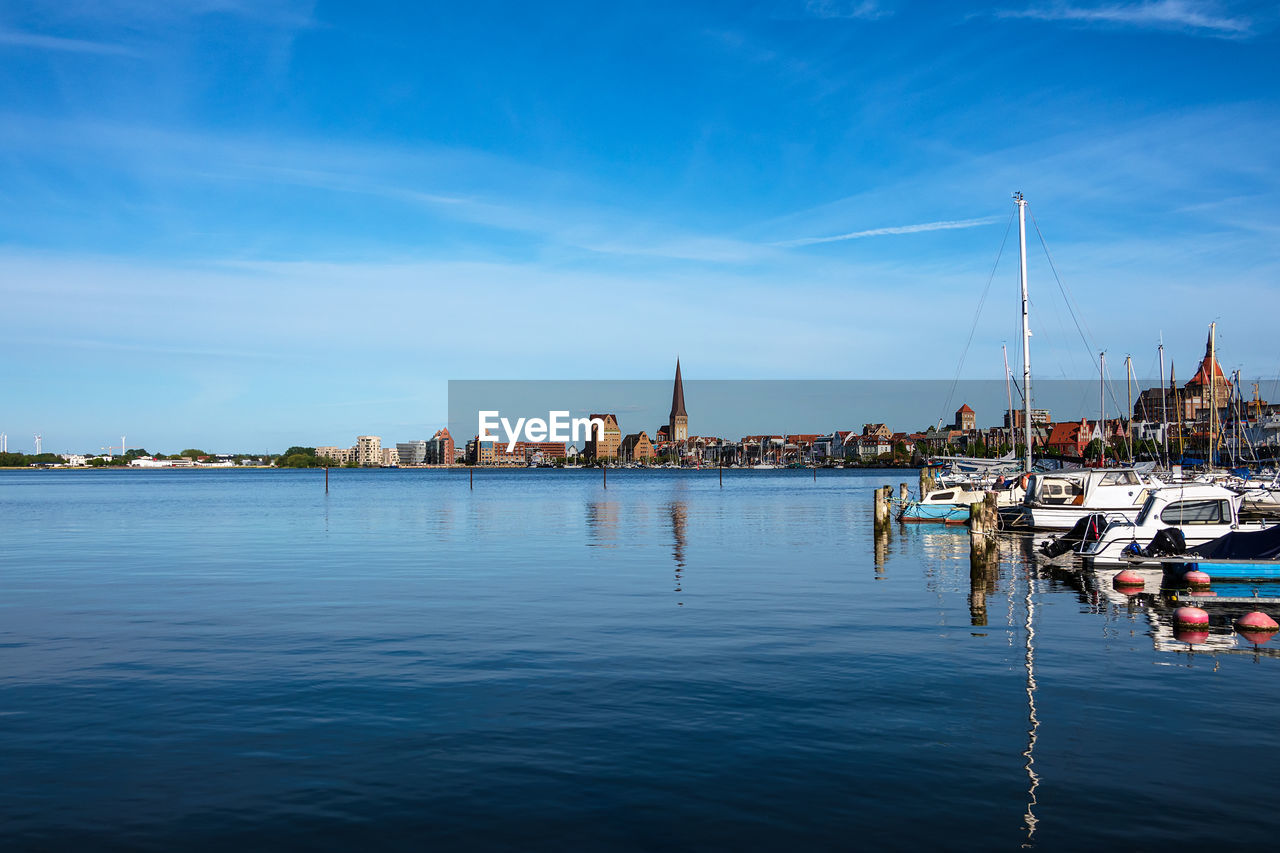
point(1164, 410)
point(1008, 390)
point(1128, 390)
point(1026, 330)
point(1213, 394)
point(1102, 408)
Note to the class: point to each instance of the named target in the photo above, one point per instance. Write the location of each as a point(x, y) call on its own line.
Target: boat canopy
point(1243, 545)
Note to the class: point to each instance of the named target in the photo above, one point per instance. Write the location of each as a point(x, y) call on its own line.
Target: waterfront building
point(440, 449)
point(1039, 417)
point(546, 451)
point(369, 451)
point(872, 447)
point(479, 452)
point(339, 455)
point(876, 430)
point(412, 452)
point(1072, 437)
point(604, 446)
point(390, 457)
point(678, 421)
point(966, 419)
point(636, 447)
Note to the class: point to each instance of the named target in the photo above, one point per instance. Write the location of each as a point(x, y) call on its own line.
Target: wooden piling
point(326, 479)
point(605, 470)
point(882, 515)
point(983, 524)
point(472, 472)
point(904, 493)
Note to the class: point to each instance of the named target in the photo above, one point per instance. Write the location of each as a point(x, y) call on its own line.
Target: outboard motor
point(1086, 530)
point(1168, 542)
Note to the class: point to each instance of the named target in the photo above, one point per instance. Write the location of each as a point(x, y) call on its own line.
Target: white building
point(390, 457)
point(369, 451)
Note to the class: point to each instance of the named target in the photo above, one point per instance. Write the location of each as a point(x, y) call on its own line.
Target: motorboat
point(1057, 500)
point(1200, 513)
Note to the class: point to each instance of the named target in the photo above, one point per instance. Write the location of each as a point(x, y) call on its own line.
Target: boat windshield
point(1146, 510)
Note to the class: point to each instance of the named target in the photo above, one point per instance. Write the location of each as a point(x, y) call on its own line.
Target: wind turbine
point(38, 438)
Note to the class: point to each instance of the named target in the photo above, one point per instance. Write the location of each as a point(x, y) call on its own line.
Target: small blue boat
point(944, 505)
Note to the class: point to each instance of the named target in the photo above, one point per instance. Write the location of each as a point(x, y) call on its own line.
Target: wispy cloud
point(864, 9)
point(944, 225)
point(1158, 14)
point(36, 41)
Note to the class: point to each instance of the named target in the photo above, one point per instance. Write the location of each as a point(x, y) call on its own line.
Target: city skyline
point(317, 230)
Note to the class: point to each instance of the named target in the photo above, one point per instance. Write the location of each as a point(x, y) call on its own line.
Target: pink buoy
point(1201, 593)
point(1191, 617)
point(1258, 622)
point(1128, 578)
point(1191, 636)
point(1196, 579)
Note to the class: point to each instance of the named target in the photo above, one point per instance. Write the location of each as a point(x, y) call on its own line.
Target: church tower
point(678, 423)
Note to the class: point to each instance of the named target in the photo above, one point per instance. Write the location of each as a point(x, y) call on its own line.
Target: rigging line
point(977, 315)
point(1084, 336)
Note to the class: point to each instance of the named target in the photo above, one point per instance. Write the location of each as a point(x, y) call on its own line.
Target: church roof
point(677, 396)
point(1208, 364)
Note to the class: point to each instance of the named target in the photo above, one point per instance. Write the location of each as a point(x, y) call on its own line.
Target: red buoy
point(1128, 578)
point(1201, 593)
point(1196, 579)
point(1258, 622)
point(1191, 617)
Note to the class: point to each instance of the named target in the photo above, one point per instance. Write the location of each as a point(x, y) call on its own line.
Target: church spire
point(677, 396)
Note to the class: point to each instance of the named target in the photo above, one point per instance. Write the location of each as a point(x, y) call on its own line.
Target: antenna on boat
point(1026, 328)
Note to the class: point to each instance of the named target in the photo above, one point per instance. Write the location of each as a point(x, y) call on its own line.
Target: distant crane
point(111, 447)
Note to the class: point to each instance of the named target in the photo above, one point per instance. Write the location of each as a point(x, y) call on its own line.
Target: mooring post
point(722, 475)
point(882, 508)
point(326, 479)
point(605, 469)
point(904, 493)
point(472, 477)
point(983, 517)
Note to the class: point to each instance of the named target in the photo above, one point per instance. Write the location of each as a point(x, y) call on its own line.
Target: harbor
point(493, 654)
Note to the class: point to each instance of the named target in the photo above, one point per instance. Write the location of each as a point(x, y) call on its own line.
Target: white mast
point(1026, 329)
point(1008, 390)
point(1164, 409)
point(1102, 408)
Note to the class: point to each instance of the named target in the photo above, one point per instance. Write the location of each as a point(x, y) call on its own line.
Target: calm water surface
point(208, 659)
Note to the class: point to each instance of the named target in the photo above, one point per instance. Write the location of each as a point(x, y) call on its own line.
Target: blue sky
point(242, 225)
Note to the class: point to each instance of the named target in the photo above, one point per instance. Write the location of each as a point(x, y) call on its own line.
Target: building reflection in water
point(602, 522)
point(679, 512)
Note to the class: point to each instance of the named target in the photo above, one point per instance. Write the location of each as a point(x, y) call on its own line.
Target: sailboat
point(948, 503)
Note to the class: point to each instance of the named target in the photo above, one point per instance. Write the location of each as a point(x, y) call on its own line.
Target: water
point(232, 658)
